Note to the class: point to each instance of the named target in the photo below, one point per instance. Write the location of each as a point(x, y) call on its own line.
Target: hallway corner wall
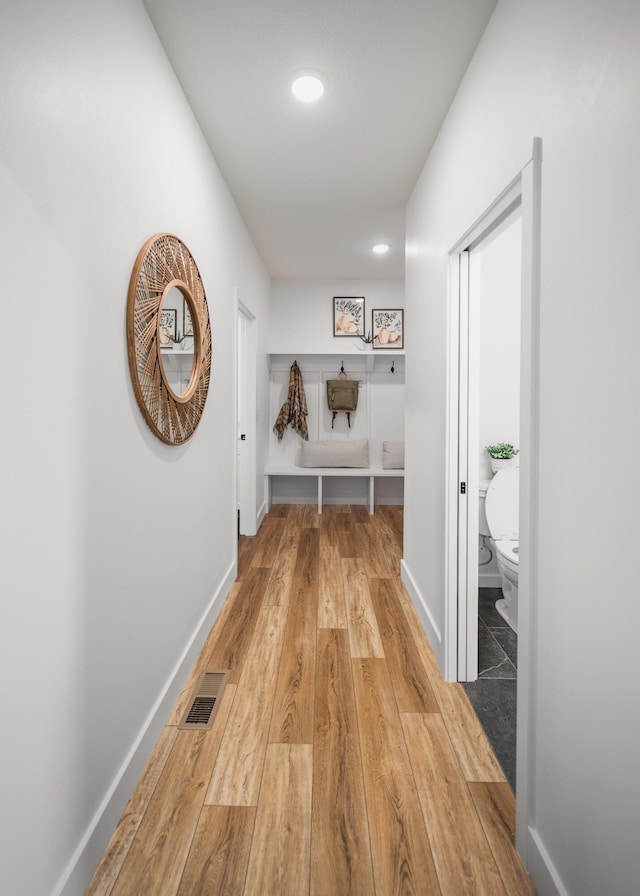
point(117, 549)
point(569, 74)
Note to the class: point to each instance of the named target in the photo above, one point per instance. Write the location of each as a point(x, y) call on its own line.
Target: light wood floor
point(339, 762)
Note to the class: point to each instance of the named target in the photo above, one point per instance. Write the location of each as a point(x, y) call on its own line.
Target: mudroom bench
point(324, 459)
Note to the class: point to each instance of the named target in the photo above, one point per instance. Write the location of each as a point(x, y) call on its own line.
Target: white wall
point(498, 294)
point(499, 356)
point(114, 545)
point(301, 316)
point(570, 73)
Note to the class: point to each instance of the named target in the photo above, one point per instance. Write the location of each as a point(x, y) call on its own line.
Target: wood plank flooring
point(339, 762)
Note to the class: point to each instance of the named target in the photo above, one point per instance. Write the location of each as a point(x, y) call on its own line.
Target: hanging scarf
point(294, 410)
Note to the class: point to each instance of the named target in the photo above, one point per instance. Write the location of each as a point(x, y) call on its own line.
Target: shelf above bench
point(354, 361)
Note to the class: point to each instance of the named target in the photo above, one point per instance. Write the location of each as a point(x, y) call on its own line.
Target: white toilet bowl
point(502, 509)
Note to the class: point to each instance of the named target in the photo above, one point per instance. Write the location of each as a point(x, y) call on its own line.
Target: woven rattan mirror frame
point(164, 262)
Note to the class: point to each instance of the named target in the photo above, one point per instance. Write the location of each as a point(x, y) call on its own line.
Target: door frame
point(467, 495)
point(469, 286)
point(525, 191)
point(245, 397)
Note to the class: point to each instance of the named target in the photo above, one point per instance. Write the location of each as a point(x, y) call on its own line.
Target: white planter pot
point(499, 463)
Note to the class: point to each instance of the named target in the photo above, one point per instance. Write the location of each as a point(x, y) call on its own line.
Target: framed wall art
point(188, 323)
point(388, 328)
point(348, 315)
point(167, 326)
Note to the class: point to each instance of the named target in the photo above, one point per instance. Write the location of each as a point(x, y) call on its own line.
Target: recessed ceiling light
point(307, 86)
point(381, 248)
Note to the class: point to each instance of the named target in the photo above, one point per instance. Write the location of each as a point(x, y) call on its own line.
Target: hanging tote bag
point(342, 396)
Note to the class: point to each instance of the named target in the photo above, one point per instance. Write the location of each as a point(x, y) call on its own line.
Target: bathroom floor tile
point(487, 598)
point(493, 661)
point(493, 695)
point(508, 641)
point(494, 702)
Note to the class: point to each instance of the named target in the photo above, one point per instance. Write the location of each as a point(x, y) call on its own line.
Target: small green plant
point(502, 451)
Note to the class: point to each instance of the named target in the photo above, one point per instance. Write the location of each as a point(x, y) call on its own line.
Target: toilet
point(501, 507)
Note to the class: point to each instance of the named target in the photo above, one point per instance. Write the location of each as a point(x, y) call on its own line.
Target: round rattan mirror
point(169, 341)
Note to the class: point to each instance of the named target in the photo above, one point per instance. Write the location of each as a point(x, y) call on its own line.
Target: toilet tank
point(501, 504)
point(483, 526)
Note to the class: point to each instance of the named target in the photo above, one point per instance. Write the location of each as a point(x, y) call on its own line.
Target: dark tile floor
point(493, 695)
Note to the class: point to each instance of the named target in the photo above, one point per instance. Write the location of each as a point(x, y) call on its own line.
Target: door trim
point(245, 492)
point(467, 490)
point(460, 643)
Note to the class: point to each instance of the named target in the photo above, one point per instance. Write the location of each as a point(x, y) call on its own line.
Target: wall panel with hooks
point(379, 417)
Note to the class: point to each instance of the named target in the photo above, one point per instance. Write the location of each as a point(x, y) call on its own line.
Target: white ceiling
point(319, 184)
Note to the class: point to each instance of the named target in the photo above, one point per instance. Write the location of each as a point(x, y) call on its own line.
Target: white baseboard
point(433, 632)
point(93, 844)
point(296, 499)
point(542, 870)
point(489, 580)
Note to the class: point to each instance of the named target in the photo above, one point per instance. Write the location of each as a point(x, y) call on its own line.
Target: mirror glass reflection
point(176, 340)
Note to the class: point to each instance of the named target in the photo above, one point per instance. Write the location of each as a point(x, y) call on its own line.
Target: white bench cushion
point(325, 453)
point(393, 455)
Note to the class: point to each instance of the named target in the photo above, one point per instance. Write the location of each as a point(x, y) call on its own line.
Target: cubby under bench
point(320, 473)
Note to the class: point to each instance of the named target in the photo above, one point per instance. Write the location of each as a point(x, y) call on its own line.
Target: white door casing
point(245, 436)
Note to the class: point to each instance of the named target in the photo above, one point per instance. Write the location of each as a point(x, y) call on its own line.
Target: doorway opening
point(493, 337)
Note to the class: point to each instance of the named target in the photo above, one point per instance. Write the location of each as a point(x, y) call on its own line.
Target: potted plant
point(502, 455)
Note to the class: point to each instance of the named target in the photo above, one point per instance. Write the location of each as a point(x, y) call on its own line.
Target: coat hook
point(393, 367)
point(342, 368)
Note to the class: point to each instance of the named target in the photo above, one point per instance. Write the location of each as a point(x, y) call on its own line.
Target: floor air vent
point(201, 711)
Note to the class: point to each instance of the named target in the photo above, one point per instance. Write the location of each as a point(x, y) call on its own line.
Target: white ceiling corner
point(319, 184)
